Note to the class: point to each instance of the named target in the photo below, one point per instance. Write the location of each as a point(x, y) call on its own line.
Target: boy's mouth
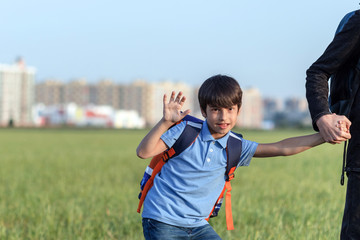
point(223, 125)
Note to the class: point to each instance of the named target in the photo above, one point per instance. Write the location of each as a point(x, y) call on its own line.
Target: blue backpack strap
point(192, 119)
point(344, 21)
point(186, 138)
point(233, 151)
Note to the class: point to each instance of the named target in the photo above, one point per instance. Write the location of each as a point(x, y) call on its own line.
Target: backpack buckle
point(230, 177)
point(168, 154)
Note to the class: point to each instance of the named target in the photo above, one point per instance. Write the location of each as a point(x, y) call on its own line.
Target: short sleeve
point(248, 151)
point(171, 135)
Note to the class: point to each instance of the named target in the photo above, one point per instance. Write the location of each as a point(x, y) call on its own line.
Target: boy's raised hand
point(172, 109)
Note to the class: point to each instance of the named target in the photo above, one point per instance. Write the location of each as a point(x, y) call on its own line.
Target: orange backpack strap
point(159, 163)
point(228, 210)
point(233, 153)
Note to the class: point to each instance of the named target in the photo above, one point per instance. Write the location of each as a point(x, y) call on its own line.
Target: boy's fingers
point(172, 96)
point(182, 101)
point(346, 135)
point(178, 97)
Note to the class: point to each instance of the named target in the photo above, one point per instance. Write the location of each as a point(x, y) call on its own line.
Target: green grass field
point(83, 184)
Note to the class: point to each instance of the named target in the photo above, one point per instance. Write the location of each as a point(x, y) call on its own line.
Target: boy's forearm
point(296, 145)
point(147, 147)
point(289, 146)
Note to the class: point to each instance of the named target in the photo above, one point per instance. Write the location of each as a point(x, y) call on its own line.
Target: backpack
point(187, 137)
point(344, 85)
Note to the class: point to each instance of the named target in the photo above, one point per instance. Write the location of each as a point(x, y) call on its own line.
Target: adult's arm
point(338, 52)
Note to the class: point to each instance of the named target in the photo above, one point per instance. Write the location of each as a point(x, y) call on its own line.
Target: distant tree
point(11, 123)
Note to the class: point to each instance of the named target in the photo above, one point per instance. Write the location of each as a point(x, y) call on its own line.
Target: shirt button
point(213, 142)
point(211, 150)
point(208, 160)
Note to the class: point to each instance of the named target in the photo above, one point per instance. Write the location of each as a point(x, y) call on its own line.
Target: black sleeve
point(336, 54)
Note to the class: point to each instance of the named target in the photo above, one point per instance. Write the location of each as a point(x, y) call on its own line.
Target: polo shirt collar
point(205, 136)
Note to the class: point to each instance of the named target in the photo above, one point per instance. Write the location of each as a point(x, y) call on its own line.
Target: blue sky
point(268, 45)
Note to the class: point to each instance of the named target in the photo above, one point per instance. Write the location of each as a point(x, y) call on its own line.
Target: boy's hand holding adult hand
point(329, 131)
point(172, 109)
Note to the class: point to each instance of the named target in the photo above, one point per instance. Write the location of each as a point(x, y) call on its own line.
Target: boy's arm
point(289, 146)
point(152, 144)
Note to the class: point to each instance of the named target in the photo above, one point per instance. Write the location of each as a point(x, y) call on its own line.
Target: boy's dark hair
point(220, 91)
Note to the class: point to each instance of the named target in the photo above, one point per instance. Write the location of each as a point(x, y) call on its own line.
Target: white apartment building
point(16, 93)
point(251, 115)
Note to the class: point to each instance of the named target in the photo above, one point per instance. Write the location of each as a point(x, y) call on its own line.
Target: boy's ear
point(203, 113)
point(239, 110)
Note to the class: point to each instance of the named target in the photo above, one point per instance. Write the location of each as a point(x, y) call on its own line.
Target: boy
point(185, 190)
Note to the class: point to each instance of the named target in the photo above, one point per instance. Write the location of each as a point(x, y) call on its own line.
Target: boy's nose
point(222, 115)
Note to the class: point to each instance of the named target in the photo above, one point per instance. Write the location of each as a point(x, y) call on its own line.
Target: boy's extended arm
point(289, 146)
point(152, 145)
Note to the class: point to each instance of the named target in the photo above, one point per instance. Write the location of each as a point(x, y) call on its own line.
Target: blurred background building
point(16, 93)
point(105, 103)
point(251, 115)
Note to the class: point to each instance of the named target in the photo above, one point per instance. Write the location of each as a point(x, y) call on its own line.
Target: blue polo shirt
point(186, 189)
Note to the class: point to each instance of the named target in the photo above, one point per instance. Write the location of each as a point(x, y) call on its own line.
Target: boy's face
point(220, 120)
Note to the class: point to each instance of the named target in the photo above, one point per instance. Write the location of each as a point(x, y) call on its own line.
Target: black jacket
point(339, 60)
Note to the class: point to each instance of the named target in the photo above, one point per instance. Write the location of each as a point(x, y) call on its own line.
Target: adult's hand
point(328, 129)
